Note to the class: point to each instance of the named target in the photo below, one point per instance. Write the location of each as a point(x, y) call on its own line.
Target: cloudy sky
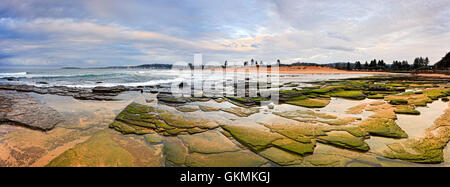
point(117, 32)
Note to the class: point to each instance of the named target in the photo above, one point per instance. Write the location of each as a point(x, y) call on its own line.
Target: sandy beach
point(299, 70)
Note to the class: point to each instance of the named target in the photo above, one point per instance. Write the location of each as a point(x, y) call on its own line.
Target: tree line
point(380, 65)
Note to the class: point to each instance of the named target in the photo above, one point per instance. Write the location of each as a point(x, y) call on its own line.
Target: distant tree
point(405, 65)
point(278, 62)
point(358, 65)
point(349, 66)
point(416, 63)
point(191, 66)
point(245, 63)
point(366, 65)
point(420, 62)
point(426, 62)
point(396, 65)
point(381, 64)
point(373, 63)
point(252, 62)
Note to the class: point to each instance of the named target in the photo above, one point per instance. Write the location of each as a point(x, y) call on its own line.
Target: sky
point(92, 33)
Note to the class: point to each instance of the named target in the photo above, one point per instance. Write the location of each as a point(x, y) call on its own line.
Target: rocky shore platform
point(21, 109)
point(351, 122)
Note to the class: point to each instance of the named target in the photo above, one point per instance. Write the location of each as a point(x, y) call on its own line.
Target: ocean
point(89, 78)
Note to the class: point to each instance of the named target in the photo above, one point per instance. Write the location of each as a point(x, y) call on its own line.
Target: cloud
point(77, 33)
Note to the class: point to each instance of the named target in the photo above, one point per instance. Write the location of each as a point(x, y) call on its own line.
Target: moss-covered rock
point(398, 102)
point(142, 119)
point(153, 138)
point(296, 131)
point(129, 128)
point(377, 96)
point(327, 89)
point(386, 113)
point(405, 109)
point(255, 138)
point(344, 139)
point(383, 127)
point(295, 146)
point(179, 121)
point(357, 95)
point(426, 150)
point(310, 103)
point(435, 93)
point(412, 99)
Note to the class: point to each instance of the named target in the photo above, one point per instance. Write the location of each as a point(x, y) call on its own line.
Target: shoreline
point(90, 124)
point(299, 70)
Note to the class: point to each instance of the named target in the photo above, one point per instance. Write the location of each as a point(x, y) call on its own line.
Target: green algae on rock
point(353, 130)
point(254, 138)
point(428, 149)
point(383, 127)
point(376, 96)
point(143, 119)
point(344, 139)
point(296, 131)
point(357, 95)
point(398, 102)
point(405, 109)
point(295, 146)
point(310, 103)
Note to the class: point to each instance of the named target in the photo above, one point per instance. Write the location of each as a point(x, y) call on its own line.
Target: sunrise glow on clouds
point(106, 33)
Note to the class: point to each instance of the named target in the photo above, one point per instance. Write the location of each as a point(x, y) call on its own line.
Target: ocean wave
point(131, 84)
point(28, 75)
point(13, 75)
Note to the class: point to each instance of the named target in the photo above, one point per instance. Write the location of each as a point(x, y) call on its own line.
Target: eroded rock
point(241, 112)
point(24, 110)
point(143, 119)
